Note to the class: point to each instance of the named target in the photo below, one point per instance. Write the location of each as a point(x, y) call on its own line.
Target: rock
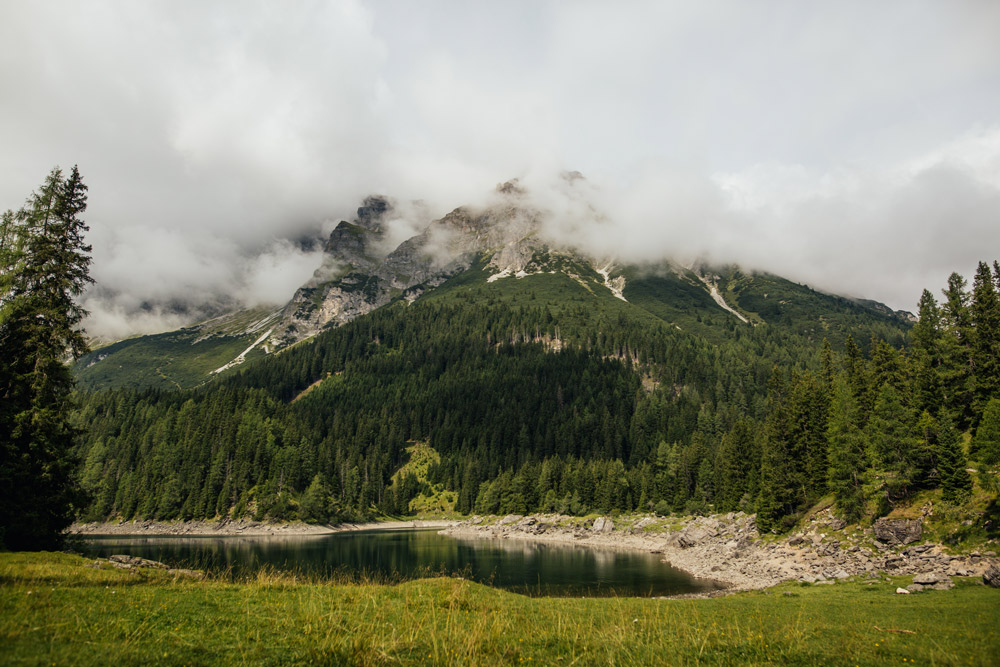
point(691, 536)
point(121, 560)
point(944, 585)
point(838, 524)
point(642, 523)
point(898, 531)
point(509, 519)
point(840, 574)
point(914, 588)
point(929, 578)
point(188, 574)
point(992, 577)
point(902, 591)
point(602, 525)
point(796, 540)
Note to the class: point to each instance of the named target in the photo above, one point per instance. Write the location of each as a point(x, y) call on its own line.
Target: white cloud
point(852, 144)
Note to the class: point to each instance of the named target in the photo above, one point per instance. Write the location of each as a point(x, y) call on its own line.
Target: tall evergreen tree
point(890, 437)
point(986, 442)
point(984, 315)
point(956, 350)
point(928, 354)
point(46, 264)
point(847, 454)
point(956, 484)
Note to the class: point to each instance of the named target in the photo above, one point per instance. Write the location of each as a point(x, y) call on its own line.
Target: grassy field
point(53, 610)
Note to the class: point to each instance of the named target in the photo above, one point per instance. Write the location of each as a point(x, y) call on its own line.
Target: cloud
point(852, 145)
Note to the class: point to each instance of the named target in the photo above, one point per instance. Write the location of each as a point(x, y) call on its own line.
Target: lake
point(530, 568)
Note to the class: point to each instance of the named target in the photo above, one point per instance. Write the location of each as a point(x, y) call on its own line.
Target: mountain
point(500, 251)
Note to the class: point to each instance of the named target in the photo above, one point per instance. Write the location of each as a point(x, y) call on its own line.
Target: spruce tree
point(986, 442)
point(956, 484)
point(984, 314)
point(890, 436)
point(847, 455)
point(46, 268)
point(956, 351)
point(928, 354)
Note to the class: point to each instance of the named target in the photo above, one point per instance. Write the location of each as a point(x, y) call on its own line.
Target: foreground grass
point(53, 610)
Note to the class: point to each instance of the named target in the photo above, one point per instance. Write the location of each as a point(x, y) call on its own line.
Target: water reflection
point(392, 555)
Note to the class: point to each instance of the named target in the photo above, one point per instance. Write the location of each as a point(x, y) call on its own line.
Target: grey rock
point(902, 591)
point(691, 535)
point(929, 578)
point(121, 560)
point(602, 525)
point(992, 577)
point(898, 531)
point(915, 588)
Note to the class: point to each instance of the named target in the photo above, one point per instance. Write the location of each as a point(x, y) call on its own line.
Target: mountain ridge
point(505, 240)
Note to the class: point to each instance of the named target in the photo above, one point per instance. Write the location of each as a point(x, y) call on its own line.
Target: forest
point(564, 407)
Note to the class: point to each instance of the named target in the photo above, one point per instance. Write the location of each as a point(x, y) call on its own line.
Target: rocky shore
point(728, 548)
point(239, 527)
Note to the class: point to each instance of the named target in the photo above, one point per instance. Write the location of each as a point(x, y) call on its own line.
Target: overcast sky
point(854, 146)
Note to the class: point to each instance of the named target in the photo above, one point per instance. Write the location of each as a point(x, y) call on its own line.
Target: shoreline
point(724, 548)
point(728, 549)
point(239, 528)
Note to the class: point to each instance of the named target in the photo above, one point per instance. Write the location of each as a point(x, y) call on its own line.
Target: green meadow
point(55, 610)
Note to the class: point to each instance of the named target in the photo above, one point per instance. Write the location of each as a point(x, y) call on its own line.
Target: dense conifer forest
point(538, 404)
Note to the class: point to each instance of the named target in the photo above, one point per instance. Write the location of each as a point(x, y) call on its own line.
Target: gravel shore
point(729, 549)
point(240, 527)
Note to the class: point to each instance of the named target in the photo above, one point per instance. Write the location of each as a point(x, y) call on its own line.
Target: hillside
point(498, 254)
point(543, 380)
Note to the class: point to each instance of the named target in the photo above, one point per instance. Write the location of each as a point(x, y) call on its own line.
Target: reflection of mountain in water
point(524, 567)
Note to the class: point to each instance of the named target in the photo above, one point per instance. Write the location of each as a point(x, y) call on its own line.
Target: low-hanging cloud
point(216, 137)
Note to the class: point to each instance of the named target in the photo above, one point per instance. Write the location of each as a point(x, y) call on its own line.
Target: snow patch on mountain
point(241, 357)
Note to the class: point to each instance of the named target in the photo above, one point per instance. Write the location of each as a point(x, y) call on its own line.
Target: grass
point(53, 610)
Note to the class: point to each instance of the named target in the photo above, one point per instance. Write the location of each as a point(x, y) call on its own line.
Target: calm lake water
point(523, 567)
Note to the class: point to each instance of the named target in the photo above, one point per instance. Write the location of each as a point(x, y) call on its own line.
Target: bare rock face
point(992, 577)
point(691, 536)
point(898, 531)
point(602, 525)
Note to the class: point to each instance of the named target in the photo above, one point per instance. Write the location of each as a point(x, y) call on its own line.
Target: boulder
point(121, 560)
point(902, 591)
point(602, 525)
point(898, 531)
point(929, 578)
point(915, 588)
point(992, 577)
point(691, 536)
point(509, 519)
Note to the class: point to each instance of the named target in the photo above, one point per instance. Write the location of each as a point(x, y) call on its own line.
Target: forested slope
point(541, 393)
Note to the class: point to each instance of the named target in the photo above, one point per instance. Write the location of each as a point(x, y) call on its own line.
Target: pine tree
point(890, 436)
point(984, 314)
point(847, 457)
point(928, 354)
point(39, 329)
point(956, 484)
point(956, 351)
point(986, 443)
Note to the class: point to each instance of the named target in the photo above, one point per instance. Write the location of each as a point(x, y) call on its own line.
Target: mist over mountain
point(851, 147)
